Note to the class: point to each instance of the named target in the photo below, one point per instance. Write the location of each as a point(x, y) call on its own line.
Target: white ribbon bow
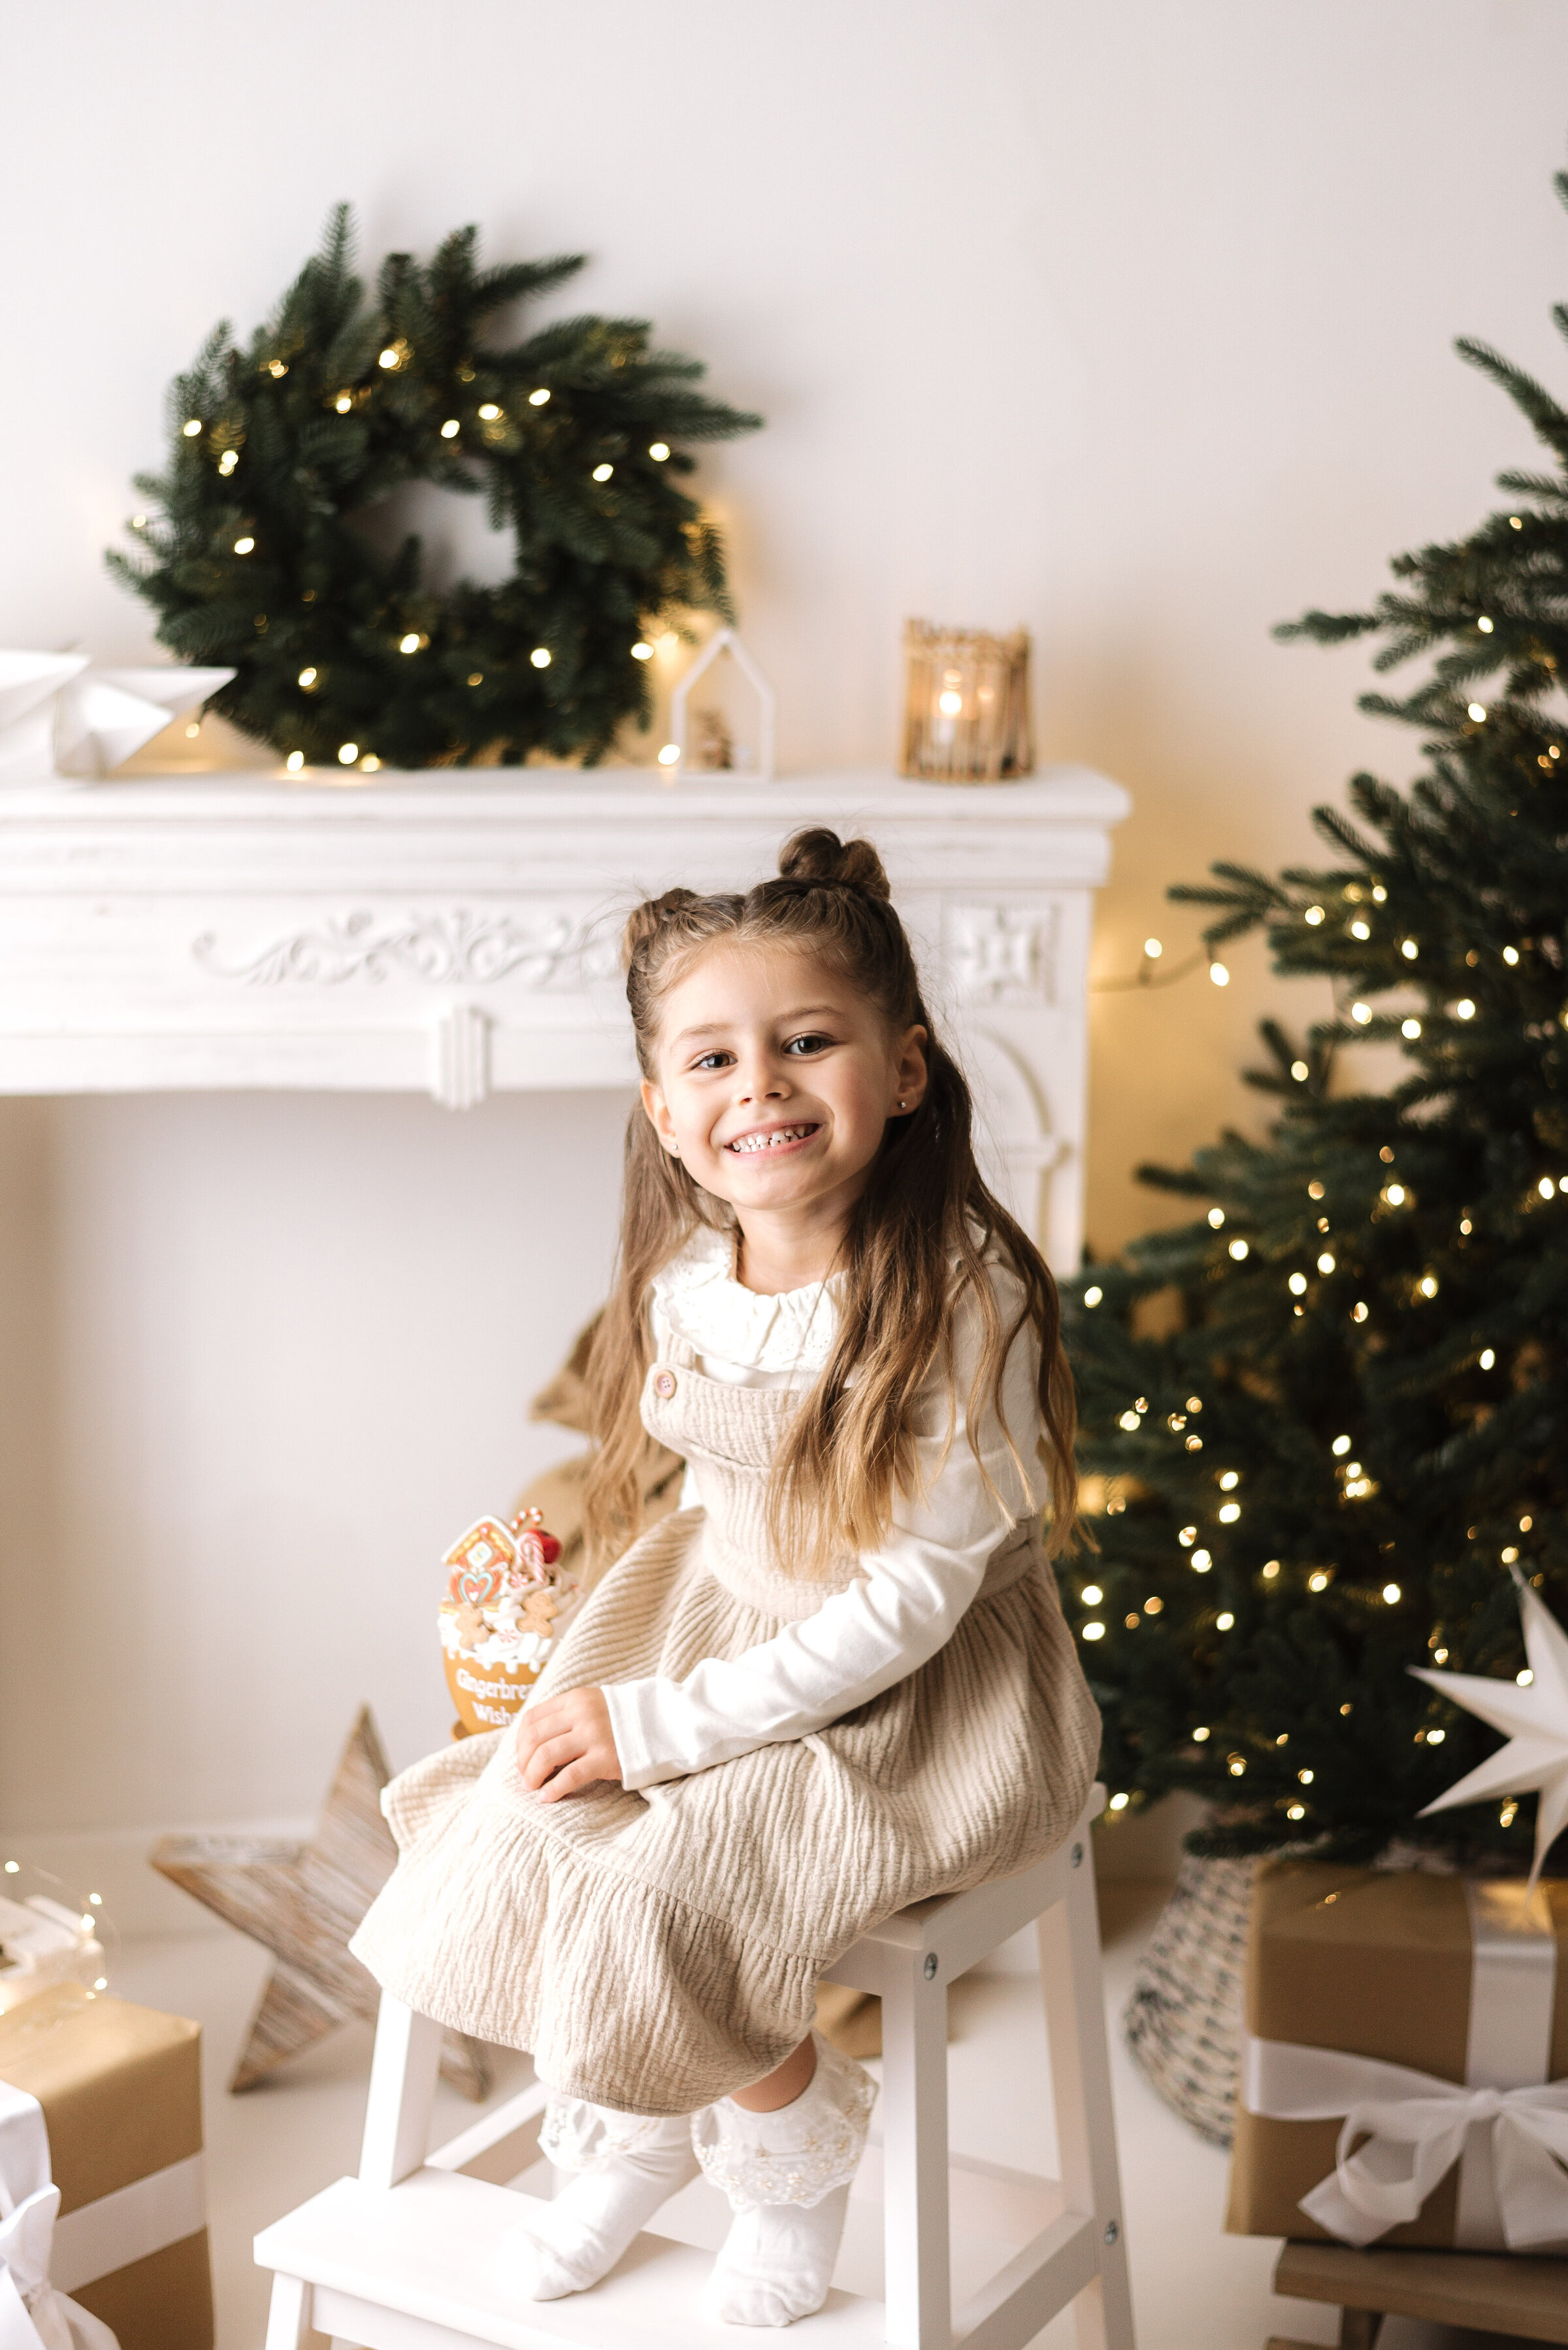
point(1413, 2124)
point(33, 2315)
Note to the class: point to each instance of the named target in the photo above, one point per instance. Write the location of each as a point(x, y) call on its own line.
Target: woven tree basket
point(1183, 2015)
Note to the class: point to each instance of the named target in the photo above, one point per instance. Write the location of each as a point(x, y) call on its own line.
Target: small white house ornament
point(58, 716)
point(706, 743)
point(1535, 1717)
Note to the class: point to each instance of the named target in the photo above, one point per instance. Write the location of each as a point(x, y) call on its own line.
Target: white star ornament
point(1535, 1719)
point(58, 717)
point(108, 715)
point(29, 684)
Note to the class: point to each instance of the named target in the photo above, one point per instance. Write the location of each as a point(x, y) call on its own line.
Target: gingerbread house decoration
point(479, 1559)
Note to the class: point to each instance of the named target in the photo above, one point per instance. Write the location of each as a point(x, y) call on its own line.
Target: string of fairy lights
point(1318, 1579)
point(1392, 1194)
point(1094, 1629)
point(497, 422)
point(1352, 1480)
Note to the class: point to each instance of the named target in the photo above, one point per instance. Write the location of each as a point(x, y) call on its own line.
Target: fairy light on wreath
point(345, 397)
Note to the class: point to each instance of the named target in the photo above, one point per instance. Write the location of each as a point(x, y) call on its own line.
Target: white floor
point(1194, 2287)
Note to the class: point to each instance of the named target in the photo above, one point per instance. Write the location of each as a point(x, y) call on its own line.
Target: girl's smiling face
point(776, 1081)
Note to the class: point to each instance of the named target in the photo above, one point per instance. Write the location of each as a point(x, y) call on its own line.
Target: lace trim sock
point(786, 2175)
point(626, 2166)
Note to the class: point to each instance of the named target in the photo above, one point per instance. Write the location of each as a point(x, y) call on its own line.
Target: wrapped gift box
point(1461, 1985)
point(122, 2093)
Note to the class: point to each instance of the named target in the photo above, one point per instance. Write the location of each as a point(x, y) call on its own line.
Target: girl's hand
point(566, 1744)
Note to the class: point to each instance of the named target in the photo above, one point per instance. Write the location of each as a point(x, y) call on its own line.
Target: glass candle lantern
point(966, 705)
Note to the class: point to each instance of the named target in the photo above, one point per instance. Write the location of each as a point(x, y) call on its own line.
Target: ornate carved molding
point(1003, 955)
point(456, 949)
point(458, 935)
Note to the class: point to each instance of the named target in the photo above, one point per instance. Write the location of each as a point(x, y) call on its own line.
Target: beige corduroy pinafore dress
point(657, 1950)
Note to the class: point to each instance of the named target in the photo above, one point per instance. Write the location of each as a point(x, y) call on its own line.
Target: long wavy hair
point(915, 1247)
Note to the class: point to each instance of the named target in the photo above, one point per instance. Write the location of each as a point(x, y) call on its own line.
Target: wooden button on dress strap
point(664, 1384)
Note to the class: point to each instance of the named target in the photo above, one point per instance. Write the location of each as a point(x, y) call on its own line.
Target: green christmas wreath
point(257, 555)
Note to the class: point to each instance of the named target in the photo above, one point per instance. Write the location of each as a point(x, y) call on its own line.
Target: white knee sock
point(626, 2166)
point(787, 2176)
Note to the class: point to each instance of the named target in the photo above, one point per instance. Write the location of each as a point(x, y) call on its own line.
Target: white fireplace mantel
point(459, 934)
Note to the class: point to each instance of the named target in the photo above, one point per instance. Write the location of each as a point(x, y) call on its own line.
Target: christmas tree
point(1325, 1419)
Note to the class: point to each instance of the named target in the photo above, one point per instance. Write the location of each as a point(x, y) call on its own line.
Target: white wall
point(264, 1357)
point(1130, 322)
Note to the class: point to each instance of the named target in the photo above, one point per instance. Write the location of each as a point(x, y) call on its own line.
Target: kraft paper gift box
point(121, 2095)
point(1403, 2062)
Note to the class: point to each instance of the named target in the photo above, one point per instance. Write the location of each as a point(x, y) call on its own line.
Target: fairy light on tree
point(1378, 1362)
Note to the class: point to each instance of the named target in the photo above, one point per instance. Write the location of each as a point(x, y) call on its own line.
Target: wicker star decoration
point(1535, 1718)
point(302, 1902)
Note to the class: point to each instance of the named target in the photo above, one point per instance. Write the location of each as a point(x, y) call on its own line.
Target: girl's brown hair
point(917, 1239)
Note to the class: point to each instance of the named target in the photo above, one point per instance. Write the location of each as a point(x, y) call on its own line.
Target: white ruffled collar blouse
point(698, 1297)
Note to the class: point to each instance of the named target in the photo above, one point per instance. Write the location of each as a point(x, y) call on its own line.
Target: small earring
point(675, 1150)
point(901, 1101)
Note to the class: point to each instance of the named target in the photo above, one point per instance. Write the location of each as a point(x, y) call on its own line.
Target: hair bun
point(818, 855)
point(644, 922)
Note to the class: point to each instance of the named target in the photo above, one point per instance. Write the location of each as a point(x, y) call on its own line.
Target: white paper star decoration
point(29, 684)
point(1534, 1716)
point(56, 721)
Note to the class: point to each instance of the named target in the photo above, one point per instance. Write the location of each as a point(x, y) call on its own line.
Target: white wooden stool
point(399, 2258)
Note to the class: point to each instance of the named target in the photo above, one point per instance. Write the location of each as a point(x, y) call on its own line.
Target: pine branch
point(1531, 398)
point(1326, 628)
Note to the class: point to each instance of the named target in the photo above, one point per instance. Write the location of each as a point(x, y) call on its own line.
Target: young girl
point(840, 1681)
